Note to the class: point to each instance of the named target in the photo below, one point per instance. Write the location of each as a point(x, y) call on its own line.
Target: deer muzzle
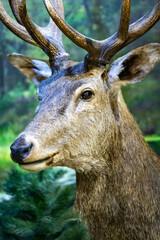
point(20, 149)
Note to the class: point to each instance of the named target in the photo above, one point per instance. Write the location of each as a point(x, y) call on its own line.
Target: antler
point(103, 51)
point(51, 26)
point(125, 19)
point(128, 33)
point(14, 6)
point(76, 37)
point(48, 38)
point(48, 43)
point(14, 27)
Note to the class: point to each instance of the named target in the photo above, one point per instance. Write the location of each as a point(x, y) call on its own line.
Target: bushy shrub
point(40, 207)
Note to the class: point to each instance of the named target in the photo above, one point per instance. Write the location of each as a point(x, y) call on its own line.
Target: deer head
point(81, 106)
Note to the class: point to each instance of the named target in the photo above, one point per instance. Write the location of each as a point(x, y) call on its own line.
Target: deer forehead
point(67, 86)
point(65, 93)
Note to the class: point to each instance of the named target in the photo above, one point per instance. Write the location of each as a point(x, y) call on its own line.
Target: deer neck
point(102, 196)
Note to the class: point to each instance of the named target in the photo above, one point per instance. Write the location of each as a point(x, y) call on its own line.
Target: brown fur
point(122, 202)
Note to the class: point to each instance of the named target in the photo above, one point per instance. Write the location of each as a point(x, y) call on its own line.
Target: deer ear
point(134, 66)
point(35, 69)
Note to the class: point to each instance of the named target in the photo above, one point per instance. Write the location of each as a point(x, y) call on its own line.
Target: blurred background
point(94, 18)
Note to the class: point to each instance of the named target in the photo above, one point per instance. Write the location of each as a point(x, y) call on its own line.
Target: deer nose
point(20, 150)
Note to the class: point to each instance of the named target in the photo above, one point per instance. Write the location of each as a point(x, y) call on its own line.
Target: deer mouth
point(38, 165)
point(37, 161)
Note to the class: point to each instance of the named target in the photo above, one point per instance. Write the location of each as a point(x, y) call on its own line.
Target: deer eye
point(86, 95)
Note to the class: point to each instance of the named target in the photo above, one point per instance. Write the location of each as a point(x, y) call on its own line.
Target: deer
point(82, 121)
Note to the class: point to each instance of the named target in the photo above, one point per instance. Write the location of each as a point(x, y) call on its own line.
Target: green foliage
point(143, 100)
point(17, 108)
point(152, 138)
point(155, 145)
point(40, 207)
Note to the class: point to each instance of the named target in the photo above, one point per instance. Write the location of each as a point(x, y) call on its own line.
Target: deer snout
point(20, 149)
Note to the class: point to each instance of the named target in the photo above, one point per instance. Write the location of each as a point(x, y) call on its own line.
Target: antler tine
point(14, 7)
point(52, 27)
point(48, 44)
point(140, 27)
point(125, 19)
point(15, 27)
point(79, 39)
point(118, 41)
